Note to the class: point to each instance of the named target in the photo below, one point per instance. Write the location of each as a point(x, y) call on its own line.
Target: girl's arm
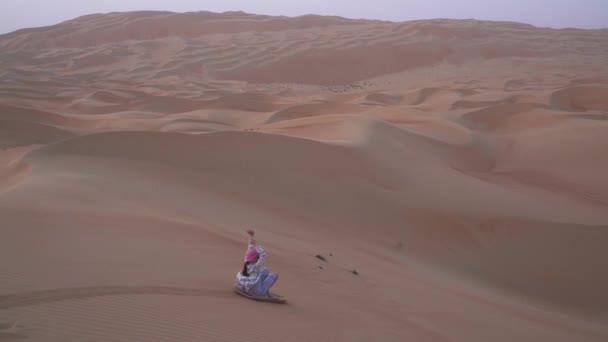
point(251, 243)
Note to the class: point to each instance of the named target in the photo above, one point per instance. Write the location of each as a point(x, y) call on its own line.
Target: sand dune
point(19, 133)
point(315, 109)
point(384, 98)
point(581, 99)
point(451, 174)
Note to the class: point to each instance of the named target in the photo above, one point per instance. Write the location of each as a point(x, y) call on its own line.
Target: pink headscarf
point(251, 255)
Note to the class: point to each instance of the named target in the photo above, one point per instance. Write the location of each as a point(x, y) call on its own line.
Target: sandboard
point(272, 297)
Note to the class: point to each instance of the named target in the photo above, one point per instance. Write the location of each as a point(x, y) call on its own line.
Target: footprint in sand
point(11, 329)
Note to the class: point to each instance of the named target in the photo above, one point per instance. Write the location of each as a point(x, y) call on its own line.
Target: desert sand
point(452, 174)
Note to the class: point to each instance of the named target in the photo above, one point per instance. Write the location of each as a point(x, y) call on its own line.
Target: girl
point(255, 279)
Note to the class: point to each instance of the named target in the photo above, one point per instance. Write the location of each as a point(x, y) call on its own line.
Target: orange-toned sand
point(459, 166)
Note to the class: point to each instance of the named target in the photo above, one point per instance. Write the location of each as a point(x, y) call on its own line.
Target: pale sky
point(16, 14)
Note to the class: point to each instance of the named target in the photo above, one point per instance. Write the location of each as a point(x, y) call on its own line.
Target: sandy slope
point(457, 166)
